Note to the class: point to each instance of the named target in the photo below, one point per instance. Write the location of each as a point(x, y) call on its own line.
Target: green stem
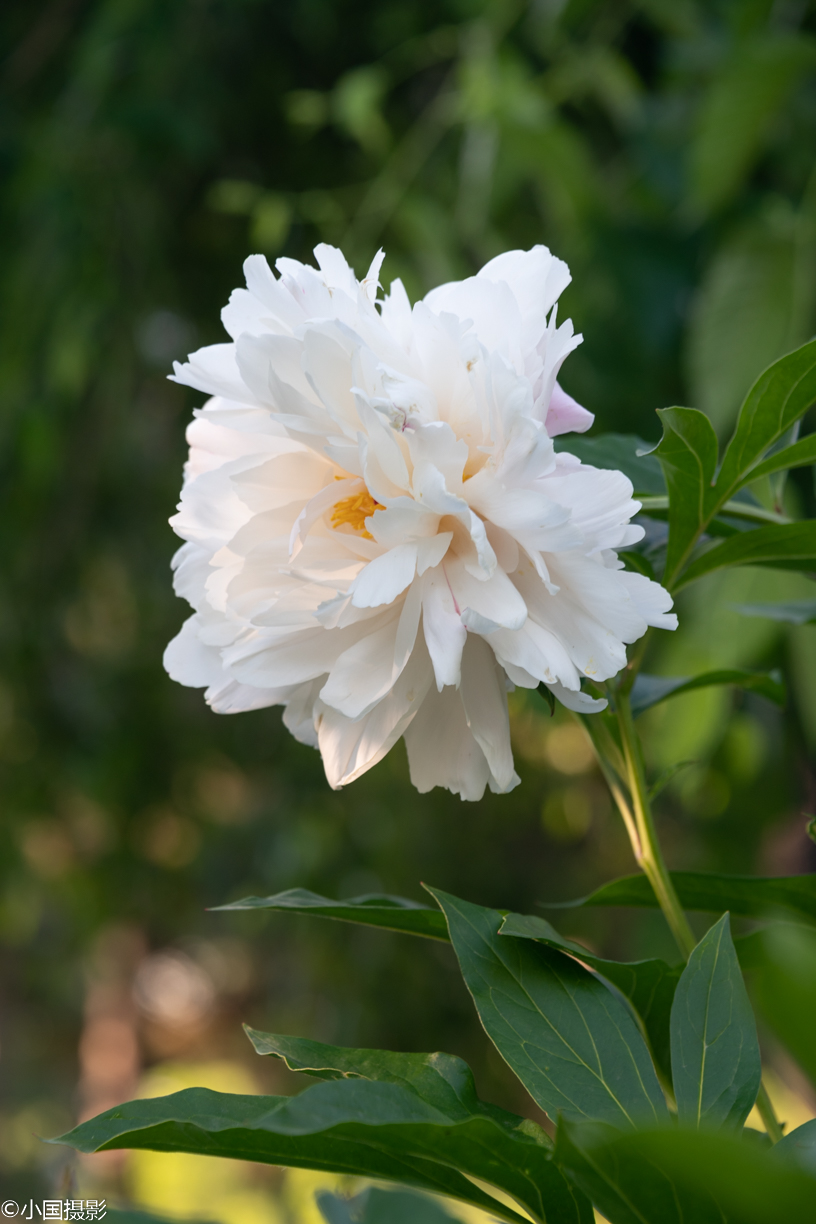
point(647, 848)
point(767, 1114)
point(639, 822)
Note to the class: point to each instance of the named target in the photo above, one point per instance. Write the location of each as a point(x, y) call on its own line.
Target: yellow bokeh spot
point(354, 511)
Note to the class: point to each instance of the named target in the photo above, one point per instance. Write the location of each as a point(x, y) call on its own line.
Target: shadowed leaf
point(571, 1042)
point(651, 690)
point(389, 913)
point(753, 896)
point(681, 1176)
point(649, 985)
point(716, 1065)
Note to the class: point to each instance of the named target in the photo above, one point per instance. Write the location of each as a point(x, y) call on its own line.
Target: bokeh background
point(667, 150)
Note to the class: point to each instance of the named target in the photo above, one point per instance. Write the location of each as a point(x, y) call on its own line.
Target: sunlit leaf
point(488, 1143)
point(789, 546)
point(776, 401)
point(355, 1127)
point(571, 1042)
point(800, 454)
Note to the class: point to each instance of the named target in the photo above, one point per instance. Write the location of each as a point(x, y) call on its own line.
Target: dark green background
point(665, 149)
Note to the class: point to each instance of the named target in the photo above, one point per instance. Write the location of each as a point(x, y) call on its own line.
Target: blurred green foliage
point(664, 148)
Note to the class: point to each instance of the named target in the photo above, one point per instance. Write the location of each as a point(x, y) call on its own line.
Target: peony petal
point(384, 578)
point(565, 415)
point(364, 674)
point(484, 698)
point(441, 749)
point(445, 635)
point(492, 604)
point(350, 748)
point(580, 702)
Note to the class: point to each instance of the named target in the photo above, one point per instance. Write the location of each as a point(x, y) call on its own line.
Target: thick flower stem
point(647, 848)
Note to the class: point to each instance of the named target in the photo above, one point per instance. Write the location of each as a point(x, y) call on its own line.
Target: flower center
point(354, 511)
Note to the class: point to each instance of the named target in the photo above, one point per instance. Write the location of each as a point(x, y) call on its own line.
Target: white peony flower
point(380, 535)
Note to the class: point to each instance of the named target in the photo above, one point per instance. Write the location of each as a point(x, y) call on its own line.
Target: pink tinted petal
point(565, 415)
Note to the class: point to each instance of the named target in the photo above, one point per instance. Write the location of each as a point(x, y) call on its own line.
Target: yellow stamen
point(354, 511)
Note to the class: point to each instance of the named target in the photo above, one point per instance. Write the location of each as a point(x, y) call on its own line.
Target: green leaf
point(571, 1042)
point(622, 452)
point(752, 896)
point(353, 1127)
point(688, 454)
point(651, 690)
point(674, 1175)
point(389, 913)
point(716, 1065)
point(649, 985)
point(787, 546)
point(622, 1185)
point(415, 1117)
point(801, 454)
point(785, 989)
point(776, 401)
point(800, 1146)
point(376, 1206)
point(796, 612)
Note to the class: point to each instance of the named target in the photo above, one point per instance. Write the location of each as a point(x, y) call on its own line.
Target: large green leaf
point(675, 1175)
point(571, 1042)
point(753, 896)
point(649, 985)
point(776, 401)
point(716, 1064)
point(410, 1118)
point(390, 913)
point(785, 989)
point(621, 1185)
point(353, 1126)
point(783, 546)
point(623, 452)
point(688, 454)
point(800, 454)
point(648, 691)
point(376, 1206)
point(513, 1154)
point(697, 493)
point(795, 612)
